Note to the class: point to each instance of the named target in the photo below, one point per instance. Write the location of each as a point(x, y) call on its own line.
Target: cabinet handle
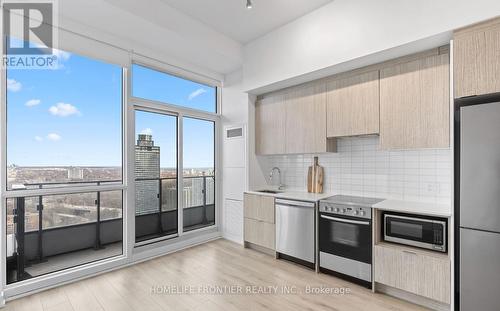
point(409, 252)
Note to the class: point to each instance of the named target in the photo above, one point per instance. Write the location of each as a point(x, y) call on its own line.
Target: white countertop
point(293, 194)
point(430, 209)
point(423, 208)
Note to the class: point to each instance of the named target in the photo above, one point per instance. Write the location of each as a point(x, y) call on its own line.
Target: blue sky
point(72, 115)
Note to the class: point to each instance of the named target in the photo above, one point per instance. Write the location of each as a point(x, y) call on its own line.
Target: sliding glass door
point(155, 175)
point(198, 202)
point(182, 123)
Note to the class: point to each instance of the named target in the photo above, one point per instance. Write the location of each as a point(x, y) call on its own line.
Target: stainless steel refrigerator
point(478, 209)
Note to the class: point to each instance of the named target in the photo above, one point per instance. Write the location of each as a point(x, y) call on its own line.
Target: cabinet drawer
point(414, 272)
point(260, 233)
point(259, 207)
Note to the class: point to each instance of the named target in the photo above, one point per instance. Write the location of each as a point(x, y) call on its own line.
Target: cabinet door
point(251, 205)
point(469, 63)
point(353, 105)
point(492, 39)
point(420, 274)
point(414, 104)
point(477, 59)
point(270, 125)
point(260, 233)
point(306, 119)
point(259, 207)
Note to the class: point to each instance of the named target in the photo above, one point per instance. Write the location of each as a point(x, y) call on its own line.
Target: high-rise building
point(147, 174)
point(210, 190)
point(75, 173)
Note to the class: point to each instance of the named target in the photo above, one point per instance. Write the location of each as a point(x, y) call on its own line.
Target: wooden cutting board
point(315, 176)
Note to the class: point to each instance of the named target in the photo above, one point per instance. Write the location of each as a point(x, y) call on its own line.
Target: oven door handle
point(366, 223)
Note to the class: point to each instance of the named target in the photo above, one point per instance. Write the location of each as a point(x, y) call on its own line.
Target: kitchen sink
point(269, 191)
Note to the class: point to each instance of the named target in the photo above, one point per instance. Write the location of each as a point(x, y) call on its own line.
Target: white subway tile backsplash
point(360, 168)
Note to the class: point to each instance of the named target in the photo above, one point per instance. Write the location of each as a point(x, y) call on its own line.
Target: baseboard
point(233, 238)
point(181, 244)
point(187, 242)
point(410, 297)
point(259, 248)
point(2, 300)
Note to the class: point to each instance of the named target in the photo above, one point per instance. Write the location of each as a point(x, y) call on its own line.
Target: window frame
point(184, 75)
point(21, 287)
point(149, 110)
point(131, 254)
point(216, 186)
point(139, 103)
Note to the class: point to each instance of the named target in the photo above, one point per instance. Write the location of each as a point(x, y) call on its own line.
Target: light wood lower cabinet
point(260, 233)
point(423, 274)
point(259, 207)
point(259, 213)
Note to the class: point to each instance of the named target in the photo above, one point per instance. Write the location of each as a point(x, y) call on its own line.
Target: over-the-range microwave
point(415, 230)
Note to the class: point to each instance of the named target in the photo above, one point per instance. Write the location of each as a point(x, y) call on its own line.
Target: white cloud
point(54, 137)
point(147, 131)
point(38, 138)
point(32, 102)
point(61, 55)
point(13, 85)
point(196, 93)
point(63, 110)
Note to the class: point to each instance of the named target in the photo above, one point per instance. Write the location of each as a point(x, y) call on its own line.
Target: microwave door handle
point(356, 222)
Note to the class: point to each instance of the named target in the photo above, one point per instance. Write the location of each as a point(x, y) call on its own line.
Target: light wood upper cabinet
point(306, 121)
point(293, 121)
point(414, 104)
point(476, 59)
point(270, 121)
point(353, 105)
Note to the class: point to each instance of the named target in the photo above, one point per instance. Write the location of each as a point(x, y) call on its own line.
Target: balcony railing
point(30, 245)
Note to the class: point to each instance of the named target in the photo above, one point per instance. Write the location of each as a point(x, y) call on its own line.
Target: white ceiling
point(230, 17)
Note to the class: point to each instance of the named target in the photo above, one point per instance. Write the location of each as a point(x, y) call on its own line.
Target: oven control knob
point(355, 212)
point(343, 210)
point(336, 210)
point(362, 213)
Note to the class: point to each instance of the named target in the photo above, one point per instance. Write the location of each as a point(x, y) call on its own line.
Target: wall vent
point(234, 132)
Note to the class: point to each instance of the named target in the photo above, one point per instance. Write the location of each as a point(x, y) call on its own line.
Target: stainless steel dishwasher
point(295, 231)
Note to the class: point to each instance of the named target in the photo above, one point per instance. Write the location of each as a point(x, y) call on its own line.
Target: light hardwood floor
point(216, 263)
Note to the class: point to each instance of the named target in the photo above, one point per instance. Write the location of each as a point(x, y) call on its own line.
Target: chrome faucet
point(271, 175)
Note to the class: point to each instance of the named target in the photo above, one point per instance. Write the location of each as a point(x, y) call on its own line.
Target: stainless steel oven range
point(345, 237)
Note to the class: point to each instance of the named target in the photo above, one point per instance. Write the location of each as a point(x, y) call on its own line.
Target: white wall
point(361, 168)
point(162, 33)
point(344, 30)
point(234, 157)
